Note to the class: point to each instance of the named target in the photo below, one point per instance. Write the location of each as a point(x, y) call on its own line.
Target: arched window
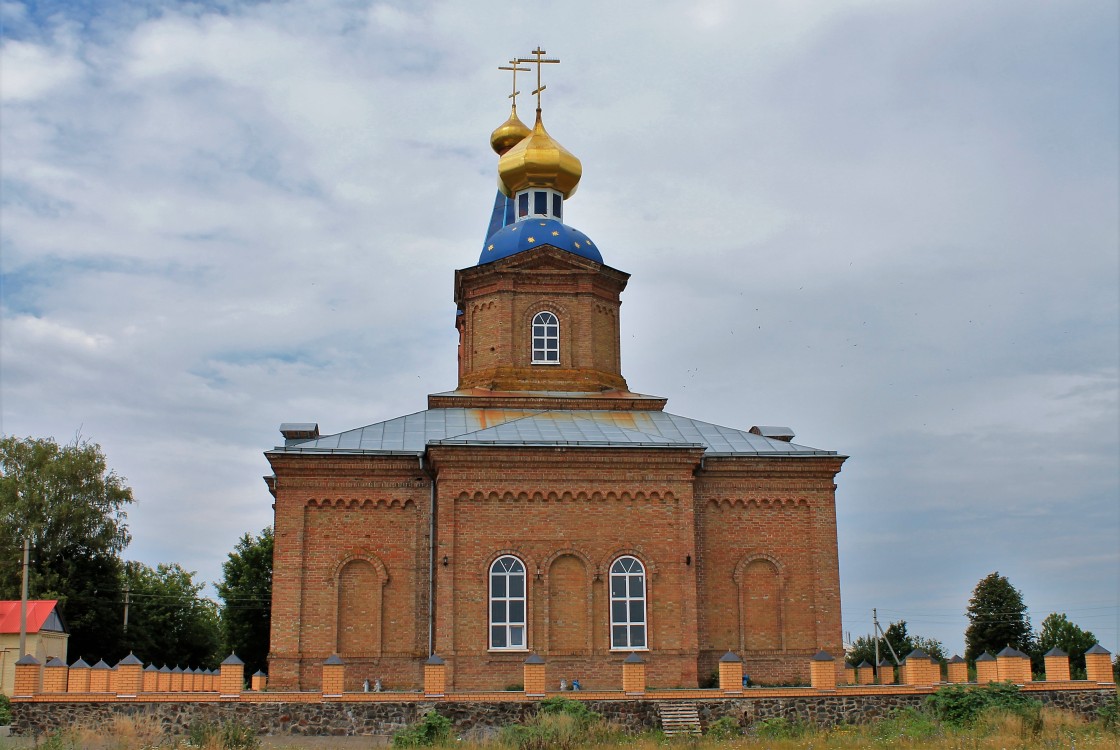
point(507, 603)
point(628, 604)
point(546, 339)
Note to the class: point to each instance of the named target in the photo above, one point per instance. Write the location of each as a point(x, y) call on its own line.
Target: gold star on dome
point(589, 242)
point(576, 244)
point(489, 247)
point(555, 233)
point(543, 223)
point(532, 239)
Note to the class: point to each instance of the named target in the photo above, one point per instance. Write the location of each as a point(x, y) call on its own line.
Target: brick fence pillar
point(1098, 667)
point(849, 673)
point(55, 675)
point(259, 681)
point(915, 668)
point(163, 679)
point(78, 679)
point(886, 672)
point(177, 679)
point(633, 675)
point(232, 677)
point(822, 671)
point(533, 677)
point(130, 676)
point(986, 670)
point(99, 677)
point(957, 670)
point(435, 676)
point(1056, 665)
point(151, 679)
point(334, 676)
point(1010, 664)
point(731, 673)
point(865, 673)
point(29, 677)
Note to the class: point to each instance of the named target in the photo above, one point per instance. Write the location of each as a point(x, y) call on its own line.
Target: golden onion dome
point(539, 161)
point(509, 133)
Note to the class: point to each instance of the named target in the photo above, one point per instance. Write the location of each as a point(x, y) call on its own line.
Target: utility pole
point(126, 606)
point(880, 634)
point(23, 598)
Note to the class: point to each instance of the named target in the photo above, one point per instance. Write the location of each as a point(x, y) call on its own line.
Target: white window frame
point(505, 569)
point(549, 342)
point(628, 570)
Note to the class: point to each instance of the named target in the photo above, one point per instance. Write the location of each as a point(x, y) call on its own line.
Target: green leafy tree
point(997, 618)
point(246, 592)
point(863, 649)
point(168, 621)
point(1058, 632)
point(71, 506)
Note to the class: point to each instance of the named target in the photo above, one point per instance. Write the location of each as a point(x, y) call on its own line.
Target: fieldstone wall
point(479, 718)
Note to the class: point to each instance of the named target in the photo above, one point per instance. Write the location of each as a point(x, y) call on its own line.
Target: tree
point(168, 622)
point(1058, 632)
point(246, 592)
point(72, 507)
point(997, 618)
point(863, 649)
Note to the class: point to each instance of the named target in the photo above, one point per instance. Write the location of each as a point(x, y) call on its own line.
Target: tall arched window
point(507, 603)
point(628, 604)
point(546, 339)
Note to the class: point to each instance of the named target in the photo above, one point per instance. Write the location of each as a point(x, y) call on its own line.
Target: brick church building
point(542, 507)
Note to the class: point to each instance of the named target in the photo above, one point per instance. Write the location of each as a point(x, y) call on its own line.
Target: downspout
point(431, 557)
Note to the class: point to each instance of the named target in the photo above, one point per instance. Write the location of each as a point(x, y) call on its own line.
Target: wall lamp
point(445, 561)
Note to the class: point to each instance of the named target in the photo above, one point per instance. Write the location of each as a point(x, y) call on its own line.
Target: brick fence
point(54, 696)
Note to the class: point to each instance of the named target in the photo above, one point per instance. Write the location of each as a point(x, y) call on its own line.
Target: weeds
point(433, 729)
point(5, 710)
point(230, 735)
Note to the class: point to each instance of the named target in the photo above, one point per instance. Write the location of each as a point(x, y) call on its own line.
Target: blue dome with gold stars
point(530, 233)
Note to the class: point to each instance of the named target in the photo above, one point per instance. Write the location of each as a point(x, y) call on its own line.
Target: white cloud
point(892, 227)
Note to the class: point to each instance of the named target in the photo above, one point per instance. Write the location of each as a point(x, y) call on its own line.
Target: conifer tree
point(997, 618)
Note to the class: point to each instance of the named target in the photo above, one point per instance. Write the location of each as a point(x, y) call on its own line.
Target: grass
point(1006, 724)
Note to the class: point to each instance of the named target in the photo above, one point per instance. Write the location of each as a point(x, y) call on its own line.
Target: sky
point(891, 226)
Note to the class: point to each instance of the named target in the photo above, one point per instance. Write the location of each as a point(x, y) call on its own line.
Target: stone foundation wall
point(475, 718)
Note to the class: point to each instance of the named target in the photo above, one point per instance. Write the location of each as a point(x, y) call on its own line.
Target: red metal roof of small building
point(37, 614)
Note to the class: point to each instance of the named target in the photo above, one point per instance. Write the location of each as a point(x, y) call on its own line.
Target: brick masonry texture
point(739, 552)
point(477, 718)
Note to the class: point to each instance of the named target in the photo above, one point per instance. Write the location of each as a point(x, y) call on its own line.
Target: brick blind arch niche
point(569, 605)
point(360, 583)
point(761, 587)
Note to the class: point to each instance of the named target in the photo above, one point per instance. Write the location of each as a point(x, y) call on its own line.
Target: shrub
point(433, 729)
point(904, 724)
point(780, 728)
point(724, 728)
point(960, 706)
point(560, 724)
point(1109, 714)
point(5, 710)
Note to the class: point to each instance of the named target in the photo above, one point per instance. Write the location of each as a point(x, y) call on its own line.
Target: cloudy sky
point(892, 226)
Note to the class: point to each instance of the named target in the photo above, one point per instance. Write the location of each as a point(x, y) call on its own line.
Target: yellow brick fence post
point(334, 676)
point(130, 676)
point(1098, 667)
point(986, 669)
point(822, 671)
point(1013, 665)
point(731, 673)
point(435, 677)
point(232, 677)
point(1056, 664)
point(151, 679)
point(259, 681)
point(533, 676)
point(958, 670)
point(633, 675)
point(99, 676)
point(886, 672)
point(78, 679)
point(865, 673)
point(55, 675)
point(29, 677)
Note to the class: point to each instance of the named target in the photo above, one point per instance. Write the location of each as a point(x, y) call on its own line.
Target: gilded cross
point(513, 67)
point(537, 59)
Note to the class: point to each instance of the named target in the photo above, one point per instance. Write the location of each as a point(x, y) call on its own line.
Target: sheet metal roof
point(41, 615)
point(524, 427)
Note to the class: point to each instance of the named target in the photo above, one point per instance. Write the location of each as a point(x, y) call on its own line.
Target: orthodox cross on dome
point(538, 59)
point(513, 67)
